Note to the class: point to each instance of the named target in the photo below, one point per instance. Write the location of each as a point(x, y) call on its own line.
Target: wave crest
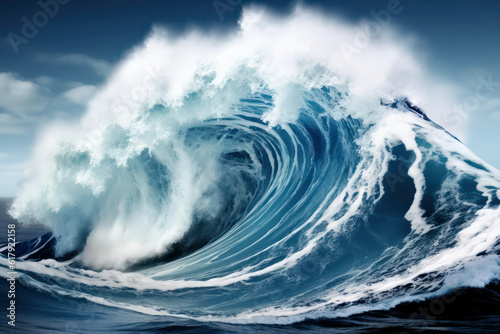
point(266, 160)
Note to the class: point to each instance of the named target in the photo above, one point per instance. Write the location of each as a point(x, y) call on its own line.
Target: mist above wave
point(129, 182)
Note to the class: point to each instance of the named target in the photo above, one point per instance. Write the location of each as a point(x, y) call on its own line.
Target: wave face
point(260, 178)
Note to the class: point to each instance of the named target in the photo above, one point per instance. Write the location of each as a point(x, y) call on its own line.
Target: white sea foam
point(83, 183)
point(125, 184)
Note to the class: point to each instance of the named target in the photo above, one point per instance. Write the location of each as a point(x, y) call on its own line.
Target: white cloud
point(495, 115)
point(25, 104)
point(12, 125)
point(45, 81)
point(3, 155)
point(16, 169)
point(101, 67)
point(492, 104)
point(20, 97)
point(81, 95)
point(11, 176)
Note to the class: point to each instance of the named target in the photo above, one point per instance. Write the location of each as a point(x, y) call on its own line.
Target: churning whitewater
point(282, 172)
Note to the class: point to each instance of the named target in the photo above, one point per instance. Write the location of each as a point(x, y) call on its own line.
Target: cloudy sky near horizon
point(50, 74)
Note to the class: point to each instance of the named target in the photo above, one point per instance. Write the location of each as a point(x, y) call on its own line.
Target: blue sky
point(48, 74)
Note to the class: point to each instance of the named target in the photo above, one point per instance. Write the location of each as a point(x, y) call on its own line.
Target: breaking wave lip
point(260, 179)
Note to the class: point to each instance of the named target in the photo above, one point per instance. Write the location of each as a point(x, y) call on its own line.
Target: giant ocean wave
point(263, 176)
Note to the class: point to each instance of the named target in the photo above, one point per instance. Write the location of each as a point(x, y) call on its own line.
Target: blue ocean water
point(220, 269)
point(466, 310)
point(251, 189)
